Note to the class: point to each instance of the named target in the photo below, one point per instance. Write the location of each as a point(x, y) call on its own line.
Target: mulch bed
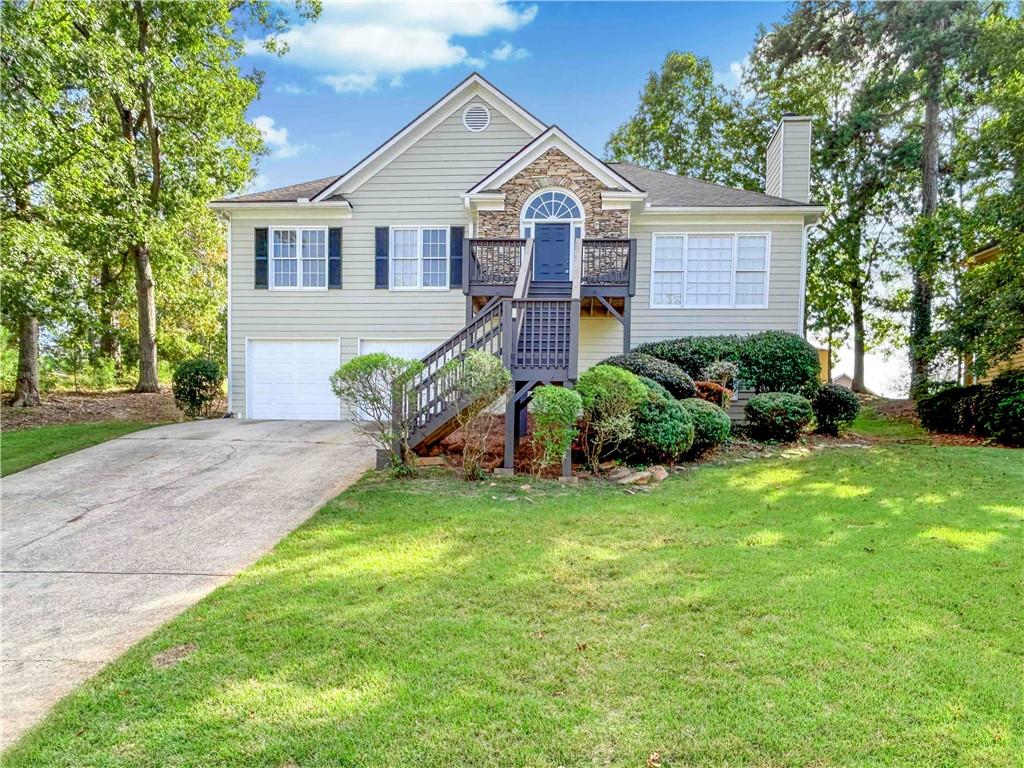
point(79, 407)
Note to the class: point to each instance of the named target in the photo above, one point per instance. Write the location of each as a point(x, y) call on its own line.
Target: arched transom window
point(552, 205)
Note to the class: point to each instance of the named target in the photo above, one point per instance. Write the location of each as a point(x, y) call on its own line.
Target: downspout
point(800, 320)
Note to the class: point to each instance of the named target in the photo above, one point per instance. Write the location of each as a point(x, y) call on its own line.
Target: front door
point(551, 253)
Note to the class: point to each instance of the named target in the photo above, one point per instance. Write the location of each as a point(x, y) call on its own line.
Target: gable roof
point(554, 138)
point(289, 194)
point(424, 122)
point(667, 190)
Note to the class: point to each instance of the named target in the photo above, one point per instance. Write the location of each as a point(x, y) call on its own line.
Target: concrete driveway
point(102, 546)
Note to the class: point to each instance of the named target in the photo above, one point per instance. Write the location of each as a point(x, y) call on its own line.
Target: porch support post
point(627, 321)
point(509, 461)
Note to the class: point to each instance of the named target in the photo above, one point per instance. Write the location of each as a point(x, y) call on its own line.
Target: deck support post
point(626, 320)
point(509, 460)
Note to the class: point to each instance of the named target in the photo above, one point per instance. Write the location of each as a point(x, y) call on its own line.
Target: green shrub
point(780, 416)
point(711, 425)
point(555, 411)
point(609, 395)
point(777, 361)
point(478, 378)
point(1000, 408)
point(952, 410)
point(366, 384)
point(662, 428)
point(669, 375)
point(694, 354)
point(834, 407)
point(196, 385)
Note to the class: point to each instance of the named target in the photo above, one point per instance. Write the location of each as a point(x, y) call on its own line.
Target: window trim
point(298, 229)
point(419, 257)
point(732, 282)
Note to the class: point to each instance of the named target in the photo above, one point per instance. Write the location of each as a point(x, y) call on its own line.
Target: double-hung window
point(419, 257)
point(298, 258)
point(709, 270)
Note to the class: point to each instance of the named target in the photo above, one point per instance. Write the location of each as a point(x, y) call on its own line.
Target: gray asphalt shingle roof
point(289, 194)
point(667, 189)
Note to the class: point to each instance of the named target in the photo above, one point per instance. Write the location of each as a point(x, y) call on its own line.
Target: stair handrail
point(525, 270)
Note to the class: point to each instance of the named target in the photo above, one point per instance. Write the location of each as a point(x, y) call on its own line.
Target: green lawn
point(25, 448)
point(873, 424)
point(851, 607)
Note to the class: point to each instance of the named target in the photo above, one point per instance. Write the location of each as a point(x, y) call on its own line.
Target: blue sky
point(364, 70)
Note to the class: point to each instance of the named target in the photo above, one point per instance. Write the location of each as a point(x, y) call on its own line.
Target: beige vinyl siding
point(423, 185)
point(773, 166)
point(784, 278)
point(600, 337)
point(1014, 363)
point(796, 160)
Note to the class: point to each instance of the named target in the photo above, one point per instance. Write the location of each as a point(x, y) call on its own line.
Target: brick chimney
point(788, 167)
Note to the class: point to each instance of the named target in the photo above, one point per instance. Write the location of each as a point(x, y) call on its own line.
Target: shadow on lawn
point(430, 621)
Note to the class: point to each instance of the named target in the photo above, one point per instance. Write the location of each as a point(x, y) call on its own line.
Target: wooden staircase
point(535, 332)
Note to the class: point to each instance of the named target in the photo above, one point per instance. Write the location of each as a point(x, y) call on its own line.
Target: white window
point(710, 271)
point(298, 258)
point(419, 257)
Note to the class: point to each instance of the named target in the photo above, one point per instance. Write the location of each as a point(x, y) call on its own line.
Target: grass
point(850, 607)
point(26, 448)
point(871, 423)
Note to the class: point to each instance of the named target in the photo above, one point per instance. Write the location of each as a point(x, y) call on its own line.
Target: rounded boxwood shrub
point(694, 354)
point(196, 385)
point(662, 428)
point(670, 376)
point(834, 407)
point(609, 396)
point(711, 425)
point(780, 416)
point(1000, 408)
point(555, 411)
point(952, 410)
point(777, 361)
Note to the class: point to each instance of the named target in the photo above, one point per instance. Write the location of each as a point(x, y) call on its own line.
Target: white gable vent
point(476, 117)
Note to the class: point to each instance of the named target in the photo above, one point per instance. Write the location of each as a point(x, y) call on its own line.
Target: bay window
point(709, 270)
point(419, 257)
point(298, 258)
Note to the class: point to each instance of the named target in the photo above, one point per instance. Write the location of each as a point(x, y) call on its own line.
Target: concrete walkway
point(102, 546)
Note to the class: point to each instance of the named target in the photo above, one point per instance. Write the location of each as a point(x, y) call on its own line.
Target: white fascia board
point(619, 201)
point(486, 201)
point(553, 138)
point(472, 86)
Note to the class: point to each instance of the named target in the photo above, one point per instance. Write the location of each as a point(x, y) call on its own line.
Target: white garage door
point(289, 379)
point(407, 349)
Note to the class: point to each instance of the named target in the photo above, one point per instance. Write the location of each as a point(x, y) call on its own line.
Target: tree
point(688, 124)
point(861, 170)
point(43, 126)
point(170, 103)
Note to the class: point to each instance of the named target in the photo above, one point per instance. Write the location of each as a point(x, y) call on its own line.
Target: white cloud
point(507, 51)
point(354, 43)
point(291, 89)
point(276, 137)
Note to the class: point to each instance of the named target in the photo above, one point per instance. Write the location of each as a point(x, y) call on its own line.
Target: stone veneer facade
point(553, 169)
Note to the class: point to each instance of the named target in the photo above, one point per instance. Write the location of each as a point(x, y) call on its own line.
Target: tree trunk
point(26, 391)
point(858, 343)
point(110, 340)
point(146, 295)
point(922, 268)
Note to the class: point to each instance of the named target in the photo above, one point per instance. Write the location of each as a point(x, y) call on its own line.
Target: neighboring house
point(987, 255)
point(477, 225)
point(845, 380)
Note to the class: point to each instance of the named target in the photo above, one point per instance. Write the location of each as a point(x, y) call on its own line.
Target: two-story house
point(477, 225)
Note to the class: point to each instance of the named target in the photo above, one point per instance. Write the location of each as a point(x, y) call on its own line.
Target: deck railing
point(609, 262)
point(493, 261)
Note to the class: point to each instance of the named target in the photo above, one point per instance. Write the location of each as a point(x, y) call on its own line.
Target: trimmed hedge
point(711, 425)
point(834, 407)
point(670, 376)
point(196, 385)
point(770, 361)
point(694, 354)
point(662, 428)
point(777, 361)
point(952, 410)
point(778, 416)
point(993, 410)
point(713, 392)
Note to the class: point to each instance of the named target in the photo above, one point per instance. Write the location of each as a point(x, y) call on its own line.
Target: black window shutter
point(455, 255)
point(381, 261)
point(334, 257)
point(261, 257)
